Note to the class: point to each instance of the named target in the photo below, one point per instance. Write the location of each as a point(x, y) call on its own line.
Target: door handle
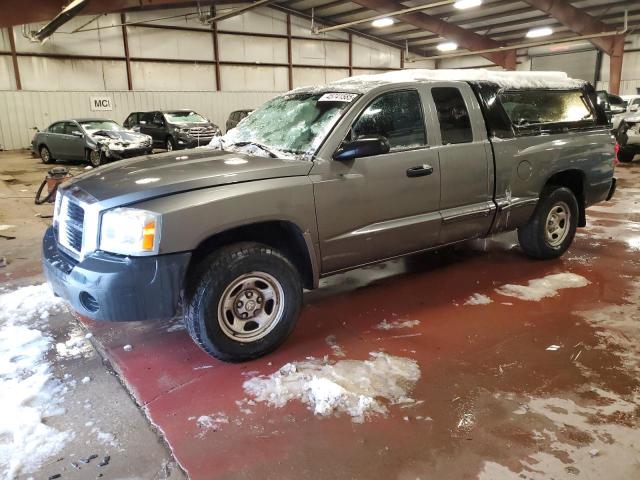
point(419, 171)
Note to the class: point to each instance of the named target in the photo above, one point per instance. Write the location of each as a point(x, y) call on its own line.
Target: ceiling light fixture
point(382, 22)
point(539, 32)
point(447, 46)
point(464, 4)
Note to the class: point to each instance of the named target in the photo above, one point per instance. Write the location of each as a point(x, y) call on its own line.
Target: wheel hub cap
point(251, 306)
point(558, 223)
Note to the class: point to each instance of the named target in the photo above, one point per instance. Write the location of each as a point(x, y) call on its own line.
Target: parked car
point(322, 180)
point(612, 104)
point(632, 105)
point(93, 140)
point(235, 118)
point(174, 129)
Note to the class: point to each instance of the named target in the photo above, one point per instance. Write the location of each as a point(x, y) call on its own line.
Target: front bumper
point(128, 153)
point(190, 142)
point(114, 288)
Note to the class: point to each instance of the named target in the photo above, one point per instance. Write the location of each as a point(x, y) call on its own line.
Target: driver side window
point(397, 116)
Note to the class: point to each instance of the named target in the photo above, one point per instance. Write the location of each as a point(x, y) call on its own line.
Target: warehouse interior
point(463, 358)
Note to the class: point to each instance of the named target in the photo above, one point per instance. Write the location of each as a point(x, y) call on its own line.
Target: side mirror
point(76, 133)
point(362, 147)
point(158, 123)
point(633, 108)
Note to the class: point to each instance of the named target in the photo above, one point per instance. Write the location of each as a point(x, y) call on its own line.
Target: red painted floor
point(480, 365)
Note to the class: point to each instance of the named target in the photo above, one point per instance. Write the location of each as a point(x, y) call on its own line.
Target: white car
point(632, 108)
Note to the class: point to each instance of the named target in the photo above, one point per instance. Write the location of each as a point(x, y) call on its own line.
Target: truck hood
point(142, 178)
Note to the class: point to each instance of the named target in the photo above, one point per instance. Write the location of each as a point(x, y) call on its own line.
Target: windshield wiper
point(259, 145)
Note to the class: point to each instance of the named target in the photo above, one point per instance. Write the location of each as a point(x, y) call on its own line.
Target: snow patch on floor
point(29, 394)
point(544, 287)
point(478, 299)
point(384, 325)
point(358, 388)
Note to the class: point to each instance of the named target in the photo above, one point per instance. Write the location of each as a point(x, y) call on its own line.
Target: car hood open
point(151, 176)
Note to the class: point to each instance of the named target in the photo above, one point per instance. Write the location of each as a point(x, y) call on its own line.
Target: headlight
point(183, 130)
point(130, 231)
point(56, 207)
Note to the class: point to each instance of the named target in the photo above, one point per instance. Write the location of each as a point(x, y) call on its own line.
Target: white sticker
point(337, 97)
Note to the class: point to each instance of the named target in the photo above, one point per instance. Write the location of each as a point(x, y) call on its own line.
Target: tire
point(95, 158)
point(626, 154)
point(228, 287)
point(557, 209)
point(45, 155)
point(170, 145)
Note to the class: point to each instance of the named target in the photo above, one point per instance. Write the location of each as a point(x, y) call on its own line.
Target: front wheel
point(170, 145)
point(244, 301)
point(551, 229)
point(95, 158)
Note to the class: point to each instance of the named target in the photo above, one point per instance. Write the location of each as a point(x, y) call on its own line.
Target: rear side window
point(57, 128)
point(396, 116)
point(455, 126)
point(535, 107)
point(147, 118)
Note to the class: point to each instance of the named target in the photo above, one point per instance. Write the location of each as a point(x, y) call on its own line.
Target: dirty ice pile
point(543, 287)
point(359, 388)
point(28, 392)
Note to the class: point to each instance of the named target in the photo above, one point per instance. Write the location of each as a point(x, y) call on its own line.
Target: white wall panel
point(314, 52)
point(429, 64)
point(239, 78)
point(303, 77)
point(105, 42)
point(156, 43)
point(260, 20)
point(302, 28)
point(180, 17)
point(28, 109)
point(160, 76)
point(7, 77)
point(39, 73)
point(367, 53)
point(5, 46)
point(237, 48)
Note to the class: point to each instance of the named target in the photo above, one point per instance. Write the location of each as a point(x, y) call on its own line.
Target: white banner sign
point(101, 103)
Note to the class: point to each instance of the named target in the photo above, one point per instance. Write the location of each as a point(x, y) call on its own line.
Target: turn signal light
point(148, 235)
point(616, 149)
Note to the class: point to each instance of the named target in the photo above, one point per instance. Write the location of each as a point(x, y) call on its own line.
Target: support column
point(14, 58)
point(289, 56)
point(125, 41)
point(216, 55)
point(350, 55)
point(615, 64)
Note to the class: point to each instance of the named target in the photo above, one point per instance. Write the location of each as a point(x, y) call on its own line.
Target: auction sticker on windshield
point(337, 97)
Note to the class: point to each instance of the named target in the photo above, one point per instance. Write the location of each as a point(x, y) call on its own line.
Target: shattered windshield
point(185, 117)
point(96, 125)
point(288, 126)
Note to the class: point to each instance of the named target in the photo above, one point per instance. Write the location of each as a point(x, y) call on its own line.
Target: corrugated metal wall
point(21, 111)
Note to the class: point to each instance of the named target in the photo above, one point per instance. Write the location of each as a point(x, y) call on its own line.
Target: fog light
point(89, 302)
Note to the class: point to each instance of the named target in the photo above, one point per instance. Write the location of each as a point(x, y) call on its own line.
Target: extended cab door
point(466, 163)
point(377, 207)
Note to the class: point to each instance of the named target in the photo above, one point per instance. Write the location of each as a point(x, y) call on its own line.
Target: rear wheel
point(244, 302)
point(45, 155)
point(551, 229)
point(626, 154)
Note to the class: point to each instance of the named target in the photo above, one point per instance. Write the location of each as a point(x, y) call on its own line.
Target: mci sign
point(101, 104)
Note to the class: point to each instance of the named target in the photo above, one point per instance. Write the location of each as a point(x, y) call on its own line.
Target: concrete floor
point(497, 402)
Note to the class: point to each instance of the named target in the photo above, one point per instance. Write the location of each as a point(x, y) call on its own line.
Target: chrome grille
point(202, 132)
point(70, 225)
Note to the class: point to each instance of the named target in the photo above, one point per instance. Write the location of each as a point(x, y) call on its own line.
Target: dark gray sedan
point(93, 140)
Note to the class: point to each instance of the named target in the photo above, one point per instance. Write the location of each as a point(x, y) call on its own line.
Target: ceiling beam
point(577, 21)
point(489, 17)
point(464, 38)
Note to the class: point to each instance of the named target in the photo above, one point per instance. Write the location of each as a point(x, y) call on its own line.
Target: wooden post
point(125, 41)
point(14, 57)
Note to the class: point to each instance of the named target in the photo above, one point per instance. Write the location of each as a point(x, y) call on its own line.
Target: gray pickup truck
point(322, 180)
